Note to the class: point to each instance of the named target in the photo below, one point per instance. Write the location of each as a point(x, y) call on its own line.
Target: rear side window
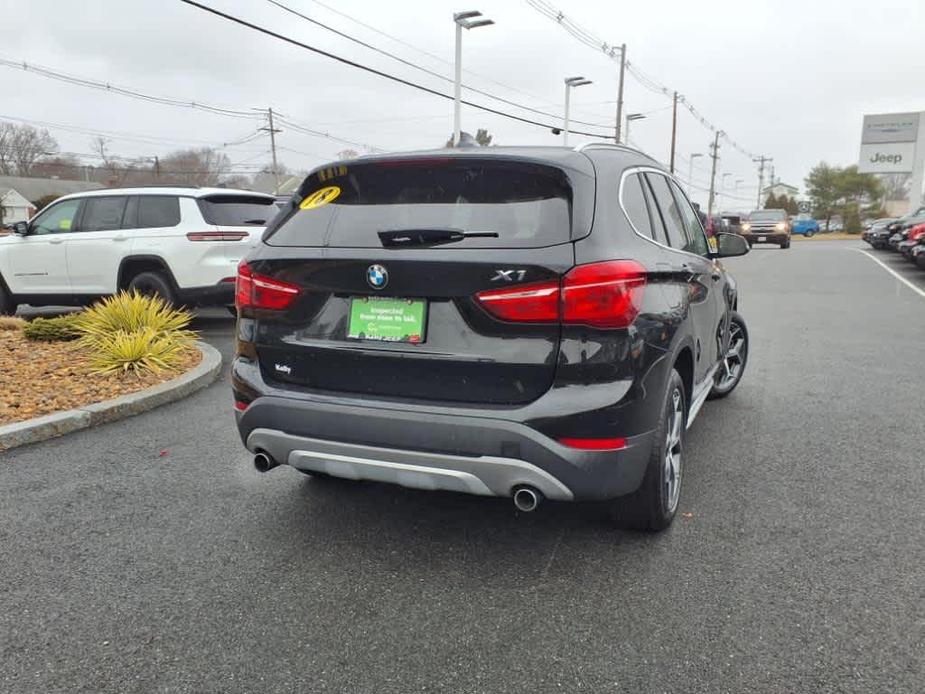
point(696, 241)
point(636, 205)
point(513, 204)
point(237, 210)
point(670, 214)
point(103, 213)
point(156, 211)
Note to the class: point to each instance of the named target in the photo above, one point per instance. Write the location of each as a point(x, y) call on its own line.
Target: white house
point(777, 190)
point(14, 208)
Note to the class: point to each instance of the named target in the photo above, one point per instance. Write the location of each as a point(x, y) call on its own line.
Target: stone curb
point(60, 423)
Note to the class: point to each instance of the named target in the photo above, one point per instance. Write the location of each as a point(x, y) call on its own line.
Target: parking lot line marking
point(893, 272)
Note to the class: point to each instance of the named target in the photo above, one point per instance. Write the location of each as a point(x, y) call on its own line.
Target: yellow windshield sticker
point(714, 247)
point(64, 224)
point(320, 197)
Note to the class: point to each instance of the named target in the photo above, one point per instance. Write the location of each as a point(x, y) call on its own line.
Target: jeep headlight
point(780, 226)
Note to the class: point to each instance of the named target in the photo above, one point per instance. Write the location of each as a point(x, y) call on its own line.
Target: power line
point(423, 69)
point(374, 71)
point(613, 52)
point(167, 101)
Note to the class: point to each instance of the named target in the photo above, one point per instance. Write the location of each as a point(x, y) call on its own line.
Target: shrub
point(131, 332)
point(58, 329)
point(137, 351)
point(11, 323)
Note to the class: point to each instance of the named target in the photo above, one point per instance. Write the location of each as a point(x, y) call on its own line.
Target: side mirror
point(21, 228)
point(730, 245)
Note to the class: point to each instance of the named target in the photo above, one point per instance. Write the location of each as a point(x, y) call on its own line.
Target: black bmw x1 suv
point(521, 322)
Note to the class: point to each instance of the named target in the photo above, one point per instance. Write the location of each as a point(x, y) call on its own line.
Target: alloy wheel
point(730, 370)
point(673, 446)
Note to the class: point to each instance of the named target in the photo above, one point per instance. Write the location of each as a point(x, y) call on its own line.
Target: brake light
point(259, 291)
point(217, 235)
point(528, 303)
point(601, 295)
point(612, 444)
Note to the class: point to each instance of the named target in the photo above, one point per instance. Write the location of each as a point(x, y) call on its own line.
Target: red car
point(912, 240)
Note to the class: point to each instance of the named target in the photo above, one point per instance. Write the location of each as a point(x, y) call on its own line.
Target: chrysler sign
point(887, 157)
point(890, 127)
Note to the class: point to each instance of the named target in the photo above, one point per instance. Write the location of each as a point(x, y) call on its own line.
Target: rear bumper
point(472, 453)
point(221, 294)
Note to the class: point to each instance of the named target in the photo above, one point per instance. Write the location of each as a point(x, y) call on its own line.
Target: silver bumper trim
point(483, 475)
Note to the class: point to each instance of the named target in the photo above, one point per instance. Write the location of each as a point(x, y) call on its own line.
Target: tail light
point(600, 295)
point(217, 235)
point(258, 291)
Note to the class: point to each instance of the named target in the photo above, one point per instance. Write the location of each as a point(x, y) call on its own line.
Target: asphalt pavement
point(148, 556)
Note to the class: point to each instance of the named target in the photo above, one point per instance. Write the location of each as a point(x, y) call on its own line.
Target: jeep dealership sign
point(894, 143)
point(888, 157)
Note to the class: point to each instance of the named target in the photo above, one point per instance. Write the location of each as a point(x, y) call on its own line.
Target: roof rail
point(611, 145)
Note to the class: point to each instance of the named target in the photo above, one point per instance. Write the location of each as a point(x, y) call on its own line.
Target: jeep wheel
point(809, 233)
point(153, 284)
point(654, 504)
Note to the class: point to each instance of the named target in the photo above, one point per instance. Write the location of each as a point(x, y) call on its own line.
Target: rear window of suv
point(525, 204)
point(238, 210)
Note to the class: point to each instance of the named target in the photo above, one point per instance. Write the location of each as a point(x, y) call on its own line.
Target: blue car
point(806, 225)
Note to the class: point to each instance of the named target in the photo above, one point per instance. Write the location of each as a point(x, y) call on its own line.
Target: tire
point(733, 364)
point(653, 506)
point(7, 305)
point(785, 244)
point(809, 234)
point(153, 284)
point(920, 260)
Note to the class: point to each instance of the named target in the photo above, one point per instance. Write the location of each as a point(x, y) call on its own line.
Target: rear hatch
point(388, 257)
point(238, 221)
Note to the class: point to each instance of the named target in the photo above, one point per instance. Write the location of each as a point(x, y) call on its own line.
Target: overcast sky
point(788, 79)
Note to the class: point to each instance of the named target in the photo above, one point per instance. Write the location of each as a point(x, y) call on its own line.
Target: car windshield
point(767, 216)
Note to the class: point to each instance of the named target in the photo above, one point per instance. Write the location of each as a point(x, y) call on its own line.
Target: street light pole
point(690, 173)
point(630, 117)
point(569, 83)
point(462, 21)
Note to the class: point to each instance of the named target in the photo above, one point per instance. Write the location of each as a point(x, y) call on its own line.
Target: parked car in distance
point(911, 239)
point(733, 222)
point(182, 244)
point(767, 226)
point(878, 234)
point(804, 225)
point(484, 322)
point(918, 253)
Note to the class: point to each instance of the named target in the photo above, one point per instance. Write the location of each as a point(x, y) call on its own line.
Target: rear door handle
point(120, 237)
point(55, 241)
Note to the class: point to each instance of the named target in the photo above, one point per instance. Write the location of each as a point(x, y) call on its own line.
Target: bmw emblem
point(377, 276)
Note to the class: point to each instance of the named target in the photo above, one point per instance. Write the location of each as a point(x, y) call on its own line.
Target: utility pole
point(674, 130)
point(157, 168)
point(620, 94)
point(270, 129)
point(761, 162)
point(714, 154)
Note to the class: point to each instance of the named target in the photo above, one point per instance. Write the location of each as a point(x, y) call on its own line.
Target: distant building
point(18, 194)
point(777, 190)
point(14, 208)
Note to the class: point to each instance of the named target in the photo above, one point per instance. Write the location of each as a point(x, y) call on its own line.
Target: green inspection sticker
point(389, 320)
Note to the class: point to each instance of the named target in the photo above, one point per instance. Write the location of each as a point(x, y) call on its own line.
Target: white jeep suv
point(183, 244)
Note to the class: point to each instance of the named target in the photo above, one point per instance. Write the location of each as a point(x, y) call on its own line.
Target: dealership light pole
point(463, 20)
point(570, 82)
point(761, 161)
point(690, 173)
point(620, 93)
point(630, 117)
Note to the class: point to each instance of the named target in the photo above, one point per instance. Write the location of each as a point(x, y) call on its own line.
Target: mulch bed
point(39, 378)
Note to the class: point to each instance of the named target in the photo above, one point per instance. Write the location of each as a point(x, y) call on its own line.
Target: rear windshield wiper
point(397, 238)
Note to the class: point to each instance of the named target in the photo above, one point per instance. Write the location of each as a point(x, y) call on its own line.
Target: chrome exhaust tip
point(526, 499)
point(263, 462)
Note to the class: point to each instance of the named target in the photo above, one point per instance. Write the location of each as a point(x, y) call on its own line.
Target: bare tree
point(348, 154)
point(21, 146)
point(199, 167)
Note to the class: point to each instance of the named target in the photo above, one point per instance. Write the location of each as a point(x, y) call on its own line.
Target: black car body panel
point(476, 385)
